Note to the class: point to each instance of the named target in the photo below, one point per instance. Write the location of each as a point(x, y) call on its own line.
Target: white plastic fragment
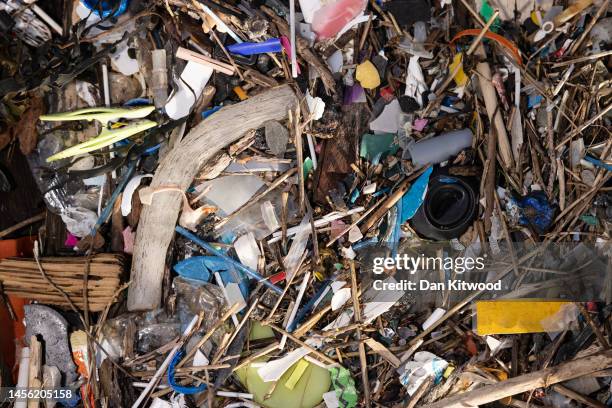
point(362, 18)
point(348, 253)
point(268, 213)
point(331, 399)
point(128, 192)
point(122, 61)
point(387, 121)
point(247, 250)
point(297, 248)
point(308, 8)
point(415, 81)
point(273, 370)
point(423, 366)
point(434, 317)
point(229, 193)
point(79, 221)
point(199, 359)
point(316, 106)
point(369, 188)
point(340, 298)
point(191, 84)
point(355, 234)
point(335, 61)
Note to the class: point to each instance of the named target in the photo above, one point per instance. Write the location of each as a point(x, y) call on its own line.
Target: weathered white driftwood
point(178, 168)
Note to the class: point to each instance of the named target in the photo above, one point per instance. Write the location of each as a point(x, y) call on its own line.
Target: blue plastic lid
point(107, 7)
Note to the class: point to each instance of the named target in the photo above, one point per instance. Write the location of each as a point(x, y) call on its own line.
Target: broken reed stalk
point(21, 277)
point(22, 224)
point(391, 201)
point(357, 316)
point(538, 379)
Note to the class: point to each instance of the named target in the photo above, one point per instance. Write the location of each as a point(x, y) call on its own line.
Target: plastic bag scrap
point(424, 365)
point(344, 387)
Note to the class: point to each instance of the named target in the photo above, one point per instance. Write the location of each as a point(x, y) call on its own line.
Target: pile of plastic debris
point(287, 204)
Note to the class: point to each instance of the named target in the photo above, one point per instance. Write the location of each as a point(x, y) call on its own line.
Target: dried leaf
point(5, 138)
point(26, 127)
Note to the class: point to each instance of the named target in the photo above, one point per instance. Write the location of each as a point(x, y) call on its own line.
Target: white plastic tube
point(435, 316)
point(440, 148)
point(22, 378)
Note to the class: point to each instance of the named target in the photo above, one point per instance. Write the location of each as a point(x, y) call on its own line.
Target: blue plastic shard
point(251, 48)
point(193, 268)
point(201, 268)
point(414, 197)
point(537, 211)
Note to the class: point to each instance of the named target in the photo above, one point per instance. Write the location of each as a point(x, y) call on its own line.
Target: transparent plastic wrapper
point(229, 193)
point(79, 221)
point(194, 297)
point(262, 219)
point(153, 329)
point(153, 336)
point(113, 333)
point(59, 192)
point(57, 199)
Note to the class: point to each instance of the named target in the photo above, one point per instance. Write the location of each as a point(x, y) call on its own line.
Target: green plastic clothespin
point(102, 115)
point(106, 138)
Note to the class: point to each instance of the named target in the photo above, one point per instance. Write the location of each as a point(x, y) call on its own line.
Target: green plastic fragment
point(103, 115)
point(344, 385)
point(377, 145)
point(259, 331)
point(308, 167)
point(590, 219)
point(307, 392)
point(486, 11)
point(106, 138)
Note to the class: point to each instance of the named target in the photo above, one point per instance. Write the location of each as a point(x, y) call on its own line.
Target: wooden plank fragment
point(527, 382)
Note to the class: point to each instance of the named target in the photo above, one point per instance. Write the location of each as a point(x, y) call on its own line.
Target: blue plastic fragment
point(105, 8)
point(171, 380)
point(251, 273)
point(252, 48)
point(447, 180)
point(193, 268)
point(534, 100)
point(598, 162)
point(365, 243)
point(355, 195)
point(536, 211)
point(414, 197)
point(210, 111)
point(201, 268)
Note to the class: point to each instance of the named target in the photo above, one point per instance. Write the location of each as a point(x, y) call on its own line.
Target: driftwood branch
point(179, 168)
point(538, 379)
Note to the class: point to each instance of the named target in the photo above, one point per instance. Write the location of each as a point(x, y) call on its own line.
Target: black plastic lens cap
point(449, 208)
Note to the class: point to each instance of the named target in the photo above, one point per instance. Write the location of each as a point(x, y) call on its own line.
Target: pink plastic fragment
point(337, 227)
point(286, 43)
point(330, 19)
point(419, 124)
point(71, 240)
point(128, 240)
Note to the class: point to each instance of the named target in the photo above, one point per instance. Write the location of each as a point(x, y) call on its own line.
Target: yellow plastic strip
point(521, 316)
point(297, 373)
